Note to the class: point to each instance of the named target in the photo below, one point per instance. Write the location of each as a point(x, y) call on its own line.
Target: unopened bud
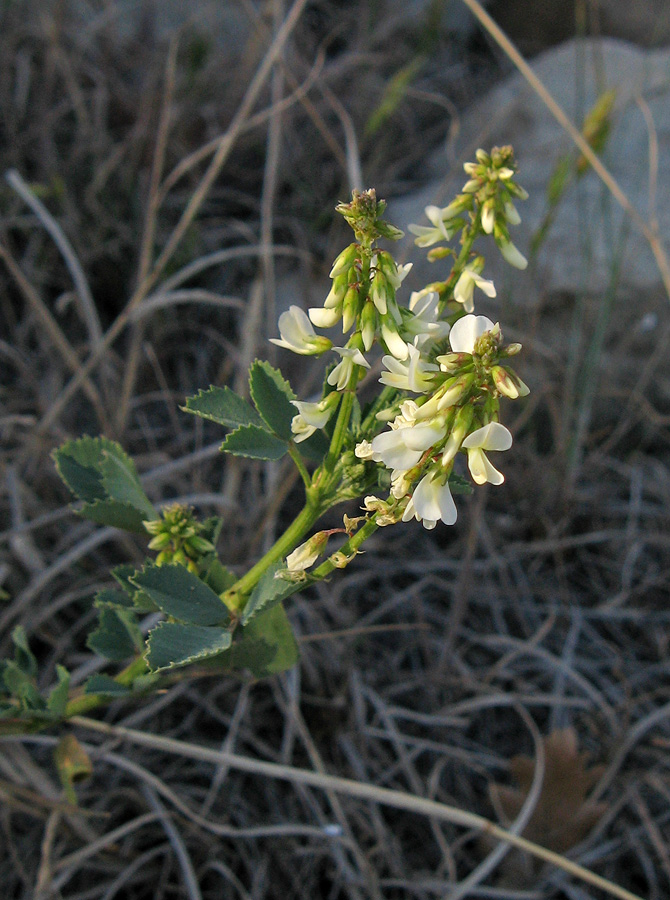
point(456, 391)
point(509, 383)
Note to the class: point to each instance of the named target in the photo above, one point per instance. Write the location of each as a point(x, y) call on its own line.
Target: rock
point(590, 233)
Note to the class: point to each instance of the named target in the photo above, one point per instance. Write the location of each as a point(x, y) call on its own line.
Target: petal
point(325, 318)
point(465, 332)
point(481, 469)
point(493, 436)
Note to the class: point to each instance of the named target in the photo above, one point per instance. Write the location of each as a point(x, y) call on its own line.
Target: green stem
point(235, 596)
point(348, 548)
point(299, 464)
point(126, 677)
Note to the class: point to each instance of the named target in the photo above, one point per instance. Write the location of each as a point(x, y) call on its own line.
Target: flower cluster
point(178, 537)
point(444, 368)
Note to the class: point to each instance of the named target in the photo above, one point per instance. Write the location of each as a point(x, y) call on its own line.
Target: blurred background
point(169, 178)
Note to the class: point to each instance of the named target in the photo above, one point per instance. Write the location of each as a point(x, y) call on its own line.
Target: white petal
point(325, 318)
point(493, 436)
point(465, 332)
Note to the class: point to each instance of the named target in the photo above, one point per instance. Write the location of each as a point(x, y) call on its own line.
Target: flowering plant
point(443, 373)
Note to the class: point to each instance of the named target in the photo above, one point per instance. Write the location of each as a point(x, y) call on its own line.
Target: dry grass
point(430, 662)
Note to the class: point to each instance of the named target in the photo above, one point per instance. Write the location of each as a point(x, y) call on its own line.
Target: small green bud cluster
point(178, 538)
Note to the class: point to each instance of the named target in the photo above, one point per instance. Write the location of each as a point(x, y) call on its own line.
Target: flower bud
point(457, 389)
point(306, 554)
point(345, 260)
point(509, 383)
point(368, 324)
point(349, 308)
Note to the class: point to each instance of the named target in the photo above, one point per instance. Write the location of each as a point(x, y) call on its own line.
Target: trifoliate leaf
point(267, 645)
point(181, 594)
point(268, 592)
point(172, 644)
point(117, 636)
point(272, 397)
point(223, 406)
point(254, 443)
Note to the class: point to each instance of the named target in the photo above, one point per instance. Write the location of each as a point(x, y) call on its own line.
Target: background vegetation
point(514, 665)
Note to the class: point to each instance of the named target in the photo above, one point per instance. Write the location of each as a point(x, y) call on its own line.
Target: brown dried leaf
point(563, 815)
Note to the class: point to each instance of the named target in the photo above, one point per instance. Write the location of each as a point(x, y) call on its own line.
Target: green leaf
point(272, 397)
point(223, 406)
point(105, 684)
point(117, 636)
point(181, 594)
point(116, 515)
point(23, 655)
point(100, 473)
point(267, 645)
point(172, 644)
point(77, 463)
point(121, 482)
point(255, 443)
point(112, 597)
point(268, 592)
point(141, 602)
point(57, 700)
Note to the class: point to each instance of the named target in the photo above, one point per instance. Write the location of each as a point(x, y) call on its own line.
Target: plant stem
point(235, 596)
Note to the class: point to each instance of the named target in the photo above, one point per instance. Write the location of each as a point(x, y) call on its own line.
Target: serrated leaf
point(116, 515)
point(267, 645)
point(105, 684)
point(254, 443)
point(223, 406)
point(121, 482)
point(58, 696)
point(141, 602)
point(272, 397)
point(268, 592)
point(77, 463)
point(181, 594)
point(112, 597)
point(172, 644)
point(117, 636)
point(99, 472)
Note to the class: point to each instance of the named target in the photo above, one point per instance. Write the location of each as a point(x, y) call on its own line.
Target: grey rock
point(590, 233)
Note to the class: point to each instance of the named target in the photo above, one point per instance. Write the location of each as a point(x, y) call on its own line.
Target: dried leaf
point(563, 815)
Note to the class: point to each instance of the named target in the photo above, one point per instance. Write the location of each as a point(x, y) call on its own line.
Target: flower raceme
point(456, 386)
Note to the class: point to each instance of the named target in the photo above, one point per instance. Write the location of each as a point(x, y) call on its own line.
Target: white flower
point(410, 374)
point(298, 335)
point(402, 447)
point(488, 217)
point(466, 331)
point(512, 255)
point(323, 317)
point(424, 324)
point(511, 213)
point(311, 416)
point(493, 436)
point(307, 554)
point(431, 502)
point(426, 237)
point(465, 287)
point(341, 374)
point(393, 341)
point(363, 450)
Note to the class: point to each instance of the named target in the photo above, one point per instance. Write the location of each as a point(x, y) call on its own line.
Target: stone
point(590, 234)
